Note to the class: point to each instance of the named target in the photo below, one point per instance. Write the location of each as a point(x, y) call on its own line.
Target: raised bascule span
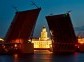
point(62, 33)
point(21, 30)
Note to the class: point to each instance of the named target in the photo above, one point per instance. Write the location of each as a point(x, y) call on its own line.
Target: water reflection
point(41, 57)
point(15, 58)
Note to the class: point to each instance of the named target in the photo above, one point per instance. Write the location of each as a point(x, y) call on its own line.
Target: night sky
point(7, 11)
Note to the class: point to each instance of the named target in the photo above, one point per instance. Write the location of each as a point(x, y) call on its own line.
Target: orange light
point(17, 41)
point(81, 41)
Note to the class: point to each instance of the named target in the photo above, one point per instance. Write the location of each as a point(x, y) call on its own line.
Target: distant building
point(1, 40)
point(81, 40)
point(43, 41)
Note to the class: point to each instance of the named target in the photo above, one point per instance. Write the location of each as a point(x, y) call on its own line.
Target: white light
point(1, 39)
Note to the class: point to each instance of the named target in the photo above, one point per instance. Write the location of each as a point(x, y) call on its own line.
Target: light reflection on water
point(42, 56)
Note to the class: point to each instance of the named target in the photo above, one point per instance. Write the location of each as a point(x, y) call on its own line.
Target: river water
point(43, 56)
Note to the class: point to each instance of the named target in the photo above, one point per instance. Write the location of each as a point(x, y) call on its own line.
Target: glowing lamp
point(15, 45)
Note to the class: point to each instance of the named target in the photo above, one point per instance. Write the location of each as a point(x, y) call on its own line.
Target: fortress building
point(43, 42)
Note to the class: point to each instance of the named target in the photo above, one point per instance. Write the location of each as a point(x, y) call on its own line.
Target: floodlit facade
point(41, 44)
point(43, 41)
